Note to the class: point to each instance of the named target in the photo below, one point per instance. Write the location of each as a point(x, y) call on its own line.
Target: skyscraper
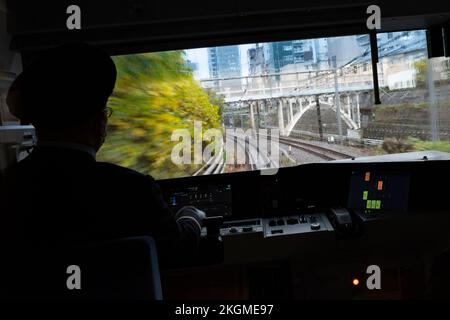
point(282, 53)
point(256, 60)
point(320, 50)
point(343, 50)
point(224, 62)
point(194, 66)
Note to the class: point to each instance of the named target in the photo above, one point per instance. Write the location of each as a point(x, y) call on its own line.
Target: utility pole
point(337, 100)
point(319, 118)
point(280, 117)
point(258, 115)
point(252, 116)
point(433, 103)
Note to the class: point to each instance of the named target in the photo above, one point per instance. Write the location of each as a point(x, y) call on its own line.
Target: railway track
point(215, 165)
point(318, 151)
point(249, 155)
point(257, 159)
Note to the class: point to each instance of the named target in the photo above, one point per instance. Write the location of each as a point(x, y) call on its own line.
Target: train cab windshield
point(277, 104)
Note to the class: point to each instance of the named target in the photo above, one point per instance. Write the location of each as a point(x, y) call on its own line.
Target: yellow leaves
point(153, 97)
point(120, 124)
point(138, 133)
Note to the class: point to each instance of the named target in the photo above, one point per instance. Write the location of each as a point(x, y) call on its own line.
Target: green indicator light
point(378, 204)
point(369, 204)
point(365, 195)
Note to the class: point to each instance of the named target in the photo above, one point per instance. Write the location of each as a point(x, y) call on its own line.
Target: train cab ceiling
point(156, 25)
point(363, 153)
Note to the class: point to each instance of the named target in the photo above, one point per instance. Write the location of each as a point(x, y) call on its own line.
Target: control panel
point(373, 191)
point(242, 227)
point(214, 200)
point(277, 226)
point(296, 224)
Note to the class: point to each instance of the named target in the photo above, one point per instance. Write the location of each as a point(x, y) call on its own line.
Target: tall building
point(225, 62)
point(320, 50)
point(195, 68)
point(283, 53)
point(256, 60)
point(344, 50)
point(257, 69)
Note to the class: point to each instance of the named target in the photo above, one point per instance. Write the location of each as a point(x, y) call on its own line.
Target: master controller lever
point(315, 225)
point(311, 210)
point(213, 225)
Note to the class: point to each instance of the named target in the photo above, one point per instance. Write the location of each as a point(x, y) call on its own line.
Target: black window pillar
point(374, 53)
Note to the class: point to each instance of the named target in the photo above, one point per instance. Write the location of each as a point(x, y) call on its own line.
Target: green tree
point(421, 68)
point(217, 100)
point(155, 94)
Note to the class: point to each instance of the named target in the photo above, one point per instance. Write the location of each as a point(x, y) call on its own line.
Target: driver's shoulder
point(113, 170)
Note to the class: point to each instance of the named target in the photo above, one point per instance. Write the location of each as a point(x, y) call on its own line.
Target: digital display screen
point(214, 200)
point(376, 191)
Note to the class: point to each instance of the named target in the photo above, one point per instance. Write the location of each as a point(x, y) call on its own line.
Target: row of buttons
point(245, 229)
point(281, 222)
point(289, 221)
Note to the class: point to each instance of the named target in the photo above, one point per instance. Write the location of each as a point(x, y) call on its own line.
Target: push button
point(315, 226)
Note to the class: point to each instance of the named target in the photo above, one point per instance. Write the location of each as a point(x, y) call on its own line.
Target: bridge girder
point(303, 104)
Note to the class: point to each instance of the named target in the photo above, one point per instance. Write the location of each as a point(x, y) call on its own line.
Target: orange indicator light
point(355, 282)
point(367, 176)
point(380, 185)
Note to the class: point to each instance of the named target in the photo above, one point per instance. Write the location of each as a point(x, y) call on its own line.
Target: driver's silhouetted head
point(64, 93)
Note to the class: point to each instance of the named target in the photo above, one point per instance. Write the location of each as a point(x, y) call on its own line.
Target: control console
point(276, 226)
